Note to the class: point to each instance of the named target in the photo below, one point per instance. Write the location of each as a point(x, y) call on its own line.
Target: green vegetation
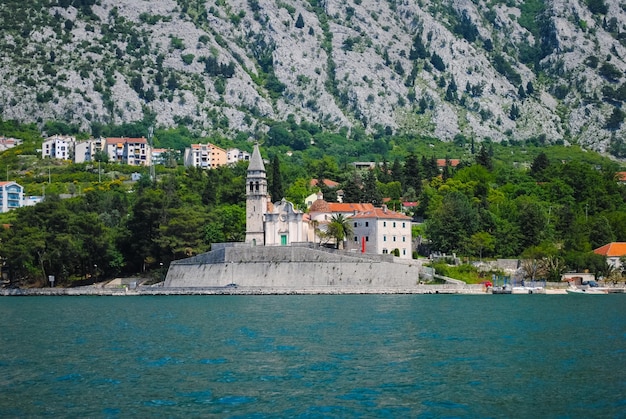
point(567, 203)
point(466, 272)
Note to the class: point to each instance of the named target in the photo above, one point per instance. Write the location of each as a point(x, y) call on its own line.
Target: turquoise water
point(398, 356)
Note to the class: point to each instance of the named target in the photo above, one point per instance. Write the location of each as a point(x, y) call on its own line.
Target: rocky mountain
point(545, 70)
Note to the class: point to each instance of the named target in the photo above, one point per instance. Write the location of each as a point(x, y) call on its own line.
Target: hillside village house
point(7, 143)
point(210, 156)
point(11, 196)
point(613, 252)
point(130, 151)
point(84, 151)
point(205, 156)
point(58, 147)
point(234, 155)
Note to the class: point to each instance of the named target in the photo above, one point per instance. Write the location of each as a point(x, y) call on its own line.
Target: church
point(267, 223)
point(280, 253)
point(375, 230)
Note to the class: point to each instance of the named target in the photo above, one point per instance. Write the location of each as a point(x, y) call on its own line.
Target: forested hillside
point(546, 71)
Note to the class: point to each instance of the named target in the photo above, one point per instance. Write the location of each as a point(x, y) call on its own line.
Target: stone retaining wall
point(290, 267)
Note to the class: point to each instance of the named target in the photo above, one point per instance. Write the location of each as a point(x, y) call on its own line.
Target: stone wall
point(289, 266)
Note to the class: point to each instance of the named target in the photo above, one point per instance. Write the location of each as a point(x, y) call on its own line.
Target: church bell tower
point(256, 199)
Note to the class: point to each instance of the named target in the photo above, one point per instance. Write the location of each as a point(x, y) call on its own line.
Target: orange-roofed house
point(441, 163)
point(329, 183)
point(621, 177)
point(613, 252)
point(381, 231)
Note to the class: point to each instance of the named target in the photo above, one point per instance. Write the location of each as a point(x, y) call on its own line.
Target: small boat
point(593, 291)
point(505, 289)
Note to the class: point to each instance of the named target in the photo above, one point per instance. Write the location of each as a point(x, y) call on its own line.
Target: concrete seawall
point(291, 268)
point(322, 290)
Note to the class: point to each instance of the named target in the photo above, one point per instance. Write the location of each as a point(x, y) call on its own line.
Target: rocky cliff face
point(550, 70)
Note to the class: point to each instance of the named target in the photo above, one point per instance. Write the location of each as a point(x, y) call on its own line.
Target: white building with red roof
point(381, 231)
point(613, 252)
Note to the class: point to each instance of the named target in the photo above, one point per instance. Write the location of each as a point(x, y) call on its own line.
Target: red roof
point(615, 249)
point(381, 213)
point(348, 207)
point(444, 162)
point(327, 182)
point(621, 176)
point(114, 140)
point(409, 204)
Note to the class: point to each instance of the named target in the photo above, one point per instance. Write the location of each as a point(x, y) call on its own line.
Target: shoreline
point(465, 289)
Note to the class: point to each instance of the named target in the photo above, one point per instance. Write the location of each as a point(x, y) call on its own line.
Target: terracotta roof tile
point(615, 249)
point(327, 182)
point(381, 213)
point(348, 207)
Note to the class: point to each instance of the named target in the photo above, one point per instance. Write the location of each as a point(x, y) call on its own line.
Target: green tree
point(371, 193)
point(300, 21)
point(451, 222)
point(412, 174)
point(483, 158)
point(339, 229)
point(481, 242)
point(539, 164)
point(276, 180)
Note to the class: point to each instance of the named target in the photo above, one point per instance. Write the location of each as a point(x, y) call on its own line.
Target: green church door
point(283, 240)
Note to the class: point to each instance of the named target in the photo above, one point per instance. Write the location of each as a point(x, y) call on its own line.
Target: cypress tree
point(276, 187)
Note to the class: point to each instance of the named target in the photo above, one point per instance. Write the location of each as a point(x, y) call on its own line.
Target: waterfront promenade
point(99, 290)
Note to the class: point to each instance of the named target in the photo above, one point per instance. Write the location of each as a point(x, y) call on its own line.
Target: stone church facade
point(267, 224)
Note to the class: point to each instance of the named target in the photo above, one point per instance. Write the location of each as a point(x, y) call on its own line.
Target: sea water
point(397, 356)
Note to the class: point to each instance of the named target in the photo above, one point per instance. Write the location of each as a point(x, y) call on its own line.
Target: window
point(394, 224)
point(394, 238)
point(384, 223)
point(403, 225)
point(355, 223)
point(356, 239)
point(367, 238)
point(403, 238)
point(384, 238)
point(385, 251)
point(367, 224)
point(403, 251)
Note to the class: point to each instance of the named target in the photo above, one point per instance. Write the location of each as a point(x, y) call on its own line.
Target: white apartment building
point(11, 196)
point(84, 151)
point(130, 151)
point(233, 155)
point(58, 147)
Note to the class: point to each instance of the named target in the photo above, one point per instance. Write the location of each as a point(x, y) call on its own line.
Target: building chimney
point(385, 208)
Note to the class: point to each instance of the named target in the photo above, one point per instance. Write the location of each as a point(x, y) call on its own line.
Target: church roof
point(256, 162)
point(319, 206)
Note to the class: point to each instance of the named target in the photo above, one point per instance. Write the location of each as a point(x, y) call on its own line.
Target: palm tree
point(339, 228)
